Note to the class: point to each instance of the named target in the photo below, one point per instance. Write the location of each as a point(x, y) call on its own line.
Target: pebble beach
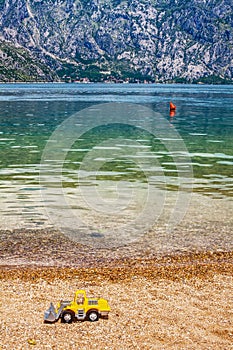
point(176, 300)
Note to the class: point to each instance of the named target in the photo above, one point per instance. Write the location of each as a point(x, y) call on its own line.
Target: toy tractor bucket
point(50, 315)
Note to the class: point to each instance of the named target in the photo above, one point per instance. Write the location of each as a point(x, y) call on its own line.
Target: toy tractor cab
point(81, 308)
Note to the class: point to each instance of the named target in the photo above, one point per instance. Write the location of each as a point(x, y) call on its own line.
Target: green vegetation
point(213, 79)
point(17, 65)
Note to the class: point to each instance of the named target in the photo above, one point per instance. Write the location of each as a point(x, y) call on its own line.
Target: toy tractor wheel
point(93, 316)
point(67, 317)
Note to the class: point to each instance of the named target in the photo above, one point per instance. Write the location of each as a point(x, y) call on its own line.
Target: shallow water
point(129, 158)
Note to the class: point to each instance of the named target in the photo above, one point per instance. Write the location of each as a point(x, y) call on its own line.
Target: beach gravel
point(173, 302)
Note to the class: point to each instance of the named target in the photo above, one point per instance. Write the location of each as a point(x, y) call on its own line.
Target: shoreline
point(47, 251)
point(49, 247)
point(171, 267)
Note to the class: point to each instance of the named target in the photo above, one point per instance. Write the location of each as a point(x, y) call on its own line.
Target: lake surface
point(104, 173)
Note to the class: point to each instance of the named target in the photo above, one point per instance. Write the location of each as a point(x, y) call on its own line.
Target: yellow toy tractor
point(81, 308)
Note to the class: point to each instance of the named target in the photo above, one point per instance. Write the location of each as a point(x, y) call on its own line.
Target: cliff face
point(18, 64)
point(162, 39)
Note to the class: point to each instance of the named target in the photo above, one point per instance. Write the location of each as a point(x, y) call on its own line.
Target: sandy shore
point(179, 301)
point(165, 291)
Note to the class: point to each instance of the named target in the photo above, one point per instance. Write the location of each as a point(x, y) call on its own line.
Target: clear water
point(30, 113)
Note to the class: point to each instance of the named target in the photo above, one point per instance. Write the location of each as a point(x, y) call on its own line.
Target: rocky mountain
point(158, 40)
point(18, 64)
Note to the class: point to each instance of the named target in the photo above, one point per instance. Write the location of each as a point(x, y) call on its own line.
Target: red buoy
point(172, 106)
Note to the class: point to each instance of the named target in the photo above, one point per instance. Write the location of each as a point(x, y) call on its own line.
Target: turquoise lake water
point(31, 113)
